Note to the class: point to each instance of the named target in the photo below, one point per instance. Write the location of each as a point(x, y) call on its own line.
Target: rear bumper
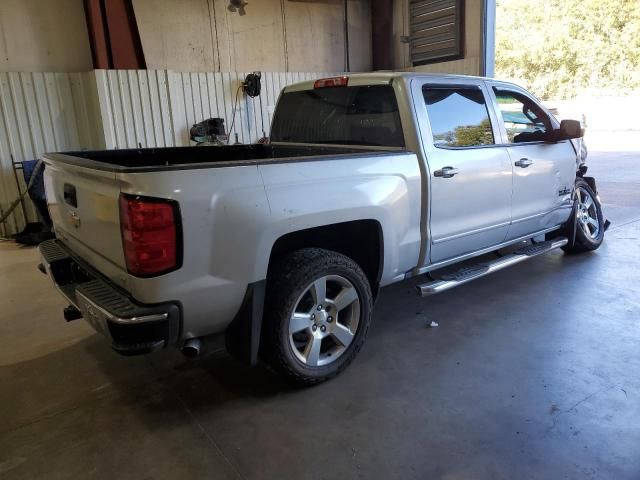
point(132, 327)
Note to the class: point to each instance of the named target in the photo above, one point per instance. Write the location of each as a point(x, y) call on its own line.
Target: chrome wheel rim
point(587, 213)
point(324, 321)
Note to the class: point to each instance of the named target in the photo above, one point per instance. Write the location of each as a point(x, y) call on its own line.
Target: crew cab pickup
point(368, 180)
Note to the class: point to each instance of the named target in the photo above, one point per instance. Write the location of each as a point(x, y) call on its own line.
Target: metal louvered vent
point(436, 30)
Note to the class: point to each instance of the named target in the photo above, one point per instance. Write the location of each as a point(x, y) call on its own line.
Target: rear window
point(364, 115)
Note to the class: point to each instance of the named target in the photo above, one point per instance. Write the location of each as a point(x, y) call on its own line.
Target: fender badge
point(564, 191)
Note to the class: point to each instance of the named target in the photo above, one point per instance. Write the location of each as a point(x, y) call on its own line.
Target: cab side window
point(523, 119)
point(458, 116)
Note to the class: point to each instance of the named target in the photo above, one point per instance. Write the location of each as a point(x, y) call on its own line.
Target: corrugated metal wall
point(156, 108)
point(42, 112)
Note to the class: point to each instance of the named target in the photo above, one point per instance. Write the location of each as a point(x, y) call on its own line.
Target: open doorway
point(582, 58)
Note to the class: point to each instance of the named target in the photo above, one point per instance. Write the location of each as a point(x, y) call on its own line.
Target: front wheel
point(589, 220)
point(318, 310)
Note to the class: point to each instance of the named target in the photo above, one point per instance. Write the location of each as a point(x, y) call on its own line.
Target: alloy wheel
point(325, 320)
point(587, 213)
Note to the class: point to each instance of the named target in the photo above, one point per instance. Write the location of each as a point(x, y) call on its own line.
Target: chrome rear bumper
point(133, 328)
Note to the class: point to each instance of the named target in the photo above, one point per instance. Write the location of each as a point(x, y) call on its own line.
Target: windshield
point(364, 115)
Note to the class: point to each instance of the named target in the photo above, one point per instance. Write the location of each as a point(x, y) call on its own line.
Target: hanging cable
point(233, 113)
point(264, 134)
point(251, 87)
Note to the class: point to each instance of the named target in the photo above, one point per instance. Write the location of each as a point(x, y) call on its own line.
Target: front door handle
point(446, 172)
point(523, 163)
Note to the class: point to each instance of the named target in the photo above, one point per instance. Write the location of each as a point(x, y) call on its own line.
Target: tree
point(467, 135)
point(559, 48)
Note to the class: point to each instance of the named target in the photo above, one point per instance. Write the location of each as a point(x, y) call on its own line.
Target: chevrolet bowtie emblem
point(74, 219)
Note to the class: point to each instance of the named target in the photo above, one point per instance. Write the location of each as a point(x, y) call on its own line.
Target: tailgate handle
point(69, 194)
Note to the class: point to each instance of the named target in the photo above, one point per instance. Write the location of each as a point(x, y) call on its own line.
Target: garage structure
point(117, 74)
point(529, 375)
point(266, 35)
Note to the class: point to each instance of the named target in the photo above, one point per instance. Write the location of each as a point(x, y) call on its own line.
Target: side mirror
point(568, 129)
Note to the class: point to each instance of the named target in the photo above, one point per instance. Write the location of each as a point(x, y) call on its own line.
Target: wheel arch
point(243, 336)
point(360, 240)
point(591, 181)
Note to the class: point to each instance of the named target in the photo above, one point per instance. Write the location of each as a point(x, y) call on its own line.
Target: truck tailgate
point(84, 208)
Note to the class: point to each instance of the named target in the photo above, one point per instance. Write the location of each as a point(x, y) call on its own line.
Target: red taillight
point(149, 235)
point(331, 82)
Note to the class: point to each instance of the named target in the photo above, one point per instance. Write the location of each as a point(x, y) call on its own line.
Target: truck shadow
point(164, 388)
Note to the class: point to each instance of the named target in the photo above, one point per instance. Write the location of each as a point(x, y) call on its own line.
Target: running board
point(467, 274)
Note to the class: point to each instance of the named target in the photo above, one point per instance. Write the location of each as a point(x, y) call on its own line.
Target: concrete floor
point(532, 374)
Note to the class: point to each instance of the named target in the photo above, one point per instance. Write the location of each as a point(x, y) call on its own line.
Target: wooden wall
point(274, 35)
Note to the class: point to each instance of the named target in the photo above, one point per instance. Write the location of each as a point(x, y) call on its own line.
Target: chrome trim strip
point(470, 232)
point(466, 256)
point(125, 321)
point(340, 145)
point(530, 217)
point(566, 205)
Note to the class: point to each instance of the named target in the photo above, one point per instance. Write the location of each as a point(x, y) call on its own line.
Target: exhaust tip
point(191, 348)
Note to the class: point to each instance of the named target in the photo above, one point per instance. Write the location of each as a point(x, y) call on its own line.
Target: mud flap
point(242, 337)
point(569, 228)
point(592, 183)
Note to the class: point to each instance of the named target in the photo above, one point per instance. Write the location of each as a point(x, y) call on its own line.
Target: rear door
point(543, 172)
point(470, 172)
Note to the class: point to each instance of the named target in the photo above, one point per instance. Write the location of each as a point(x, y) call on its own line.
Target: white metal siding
point(42, 112)
point(156, 108)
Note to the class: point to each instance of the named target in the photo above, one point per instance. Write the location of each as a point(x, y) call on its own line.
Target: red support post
point(113, 34)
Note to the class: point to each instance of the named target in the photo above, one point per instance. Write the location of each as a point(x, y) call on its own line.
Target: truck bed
point(181, 158)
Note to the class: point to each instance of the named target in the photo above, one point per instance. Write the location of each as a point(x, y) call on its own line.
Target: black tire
point(290, 279)
point(587, 241)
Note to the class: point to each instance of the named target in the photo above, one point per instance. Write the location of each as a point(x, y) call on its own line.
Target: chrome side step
point(473, 272)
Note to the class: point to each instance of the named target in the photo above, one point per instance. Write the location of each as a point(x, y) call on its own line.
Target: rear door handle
point(523, 163)
point(446, 172)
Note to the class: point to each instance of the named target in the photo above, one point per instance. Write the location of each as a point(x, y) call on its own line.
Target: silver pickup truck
point(368, 180)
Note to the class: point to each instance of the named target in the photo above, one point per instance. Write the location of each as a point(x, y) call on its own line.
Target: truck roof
point(382, 78)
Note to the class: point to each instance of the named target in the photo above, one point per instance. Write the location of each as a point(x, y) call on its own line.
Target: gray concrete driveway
point(618, 175)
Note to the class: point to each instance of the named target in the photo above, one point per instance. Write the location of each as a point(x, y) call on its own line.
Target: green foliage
point(475, 134)
point(559, 48)
point(467, 135)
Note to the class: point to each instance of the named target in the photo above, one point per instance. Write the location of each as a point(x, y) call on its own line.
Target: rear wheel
point(589, 220)
point(319, 308)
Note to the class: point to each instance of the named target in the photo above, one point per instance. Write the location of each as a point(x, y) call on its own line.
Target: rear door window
point(362, 115)
point(458, 116)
